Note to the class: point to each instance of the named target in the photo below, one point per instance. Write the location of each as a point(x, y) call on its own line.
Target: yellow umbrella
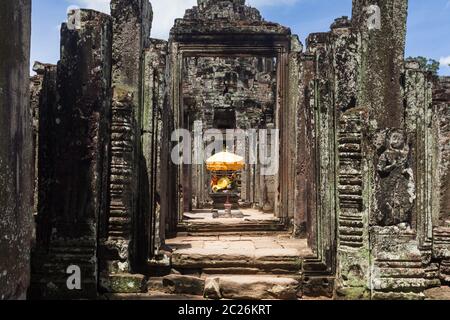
point(225, 161)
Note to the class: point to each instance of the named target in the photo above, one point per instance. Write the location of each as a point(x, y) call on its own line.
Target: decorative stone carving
point(395, 179)
point(122, 250)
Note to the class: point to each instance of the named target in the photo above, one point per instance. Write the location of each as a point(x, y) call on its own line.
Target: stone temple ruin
point(360, 205)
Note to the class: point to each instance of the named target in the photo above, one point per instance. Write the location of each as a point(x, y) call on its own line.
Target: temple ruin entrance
point(239, 73)
point(229, 103)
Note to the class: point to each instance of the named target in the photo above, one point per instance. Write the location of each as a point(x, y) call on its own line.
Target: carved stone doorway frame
point(319, 268)
point(280, 51)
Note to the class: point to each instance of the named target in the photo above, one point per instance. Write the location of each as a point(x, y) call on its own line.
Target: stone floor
point(252, 221)
point(252, 257)
point(244, 241)
point(441, 293)
point(249, 244)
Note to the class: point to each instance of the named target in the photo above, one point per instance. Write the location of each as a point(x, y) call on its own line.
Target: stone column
point(154, 90)
point(16, 194)
point(78, 148)
point(46, 105)
point(321, 121)
point(441, 218)
point(299, 142)
point(399, 158)
point(441, 102)
point(382, 24)
point(131, 34)
point(353, 212)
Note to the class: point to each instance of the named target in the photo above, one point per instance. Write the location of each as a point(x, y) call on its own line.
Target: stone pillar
point(78, 149)
point(321, 121)
point(36, 83)
point(399, 153)
point(154, 90)
point(353, 210)
point(441, 102)
point(16, 194)
point(298, 140)
point(382, 24)
point(131, 34)
point(44, 153)
point(441, 219)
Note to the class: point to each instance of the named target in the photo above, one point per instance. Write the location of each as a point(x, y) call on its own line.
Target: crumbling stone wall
point(246, 85)
point(387, 157)
point(74, 138)
point(16, 193)
point(385, 154)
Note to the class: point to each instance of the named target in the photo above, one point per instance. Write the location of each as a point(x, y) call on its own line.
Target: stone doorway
point(227, 76)
point(232, 98)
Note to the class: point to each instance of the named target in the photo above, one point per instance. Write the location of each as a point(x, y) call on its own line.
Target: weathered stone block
point(123, 283)
point(258, 288)
point(184, 284)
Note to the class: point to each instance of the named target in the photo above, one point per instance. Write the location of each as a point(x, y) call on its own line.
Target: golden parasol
point(225, 161)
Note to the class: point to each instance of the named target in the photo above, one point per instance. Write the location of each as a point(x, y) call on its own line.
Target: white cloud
point(99, 5)
point(164, 14)
point(166, 11)
point(445, 62)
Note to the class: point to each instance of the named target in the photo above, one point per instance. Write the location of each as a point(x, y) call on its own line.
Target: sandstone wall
point(16, 193)
point(73, 161)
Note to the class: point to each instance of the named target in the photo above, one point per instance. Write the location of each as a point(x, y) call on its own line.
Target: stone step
point(245, 287)
point(238, 226)
point(237, 287)
point(294, 273)
point(249, 233)
point(269, 260)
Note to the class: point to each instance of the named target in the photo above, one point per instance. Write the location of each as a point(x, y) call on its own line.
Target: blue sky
point(428, 22)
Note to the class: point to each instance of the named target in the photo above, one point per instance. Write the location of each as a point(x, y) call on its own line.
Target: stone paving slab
point(440, 293)
point(247, 243)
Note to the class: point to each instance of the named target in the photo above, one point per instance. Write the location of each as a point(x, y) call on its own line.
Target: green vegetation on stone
point(427, 64)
